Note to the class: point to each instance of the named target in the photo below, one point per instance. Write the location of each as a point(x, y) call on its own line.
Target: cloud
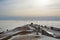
point(55, 4)
point(26, 8)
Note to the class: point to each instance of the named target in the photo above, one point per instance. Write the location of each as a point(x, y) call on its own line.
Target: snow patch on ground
point(42, 37)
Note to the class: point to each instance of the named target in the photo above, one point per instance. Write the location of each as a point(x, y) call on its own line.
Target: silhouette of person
point(31, 24)
point(37, 30)
point(7, 29)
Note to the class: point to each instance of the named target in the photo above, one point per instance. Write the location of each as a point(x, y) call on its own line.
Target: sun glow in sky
point(42, 3)
point(29, 7)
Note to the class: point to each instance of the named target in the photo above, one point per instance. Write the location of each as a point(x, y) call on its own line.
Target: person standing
point(37, 30)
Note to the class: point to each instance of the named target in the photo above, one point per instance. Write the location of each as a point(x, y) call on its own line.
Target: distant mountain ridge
point(30, 18)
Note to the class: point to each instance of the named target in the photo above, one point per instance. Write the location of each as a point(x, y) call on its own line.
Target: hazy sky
point(29, 7)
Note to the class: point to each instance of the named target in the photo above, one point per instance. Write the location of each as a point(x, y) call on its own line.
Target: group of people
point(38, 28)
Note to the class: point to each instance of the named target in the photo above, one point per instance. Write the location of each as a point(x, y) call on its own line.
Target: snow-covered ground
point(31, 37)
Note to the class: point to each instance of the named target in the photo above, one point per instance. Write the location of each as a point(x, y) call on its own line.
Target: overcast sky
point(30, 8)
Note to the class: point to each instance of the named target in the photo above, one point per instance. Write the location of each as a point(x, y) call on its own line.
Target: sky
point(30, 8)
